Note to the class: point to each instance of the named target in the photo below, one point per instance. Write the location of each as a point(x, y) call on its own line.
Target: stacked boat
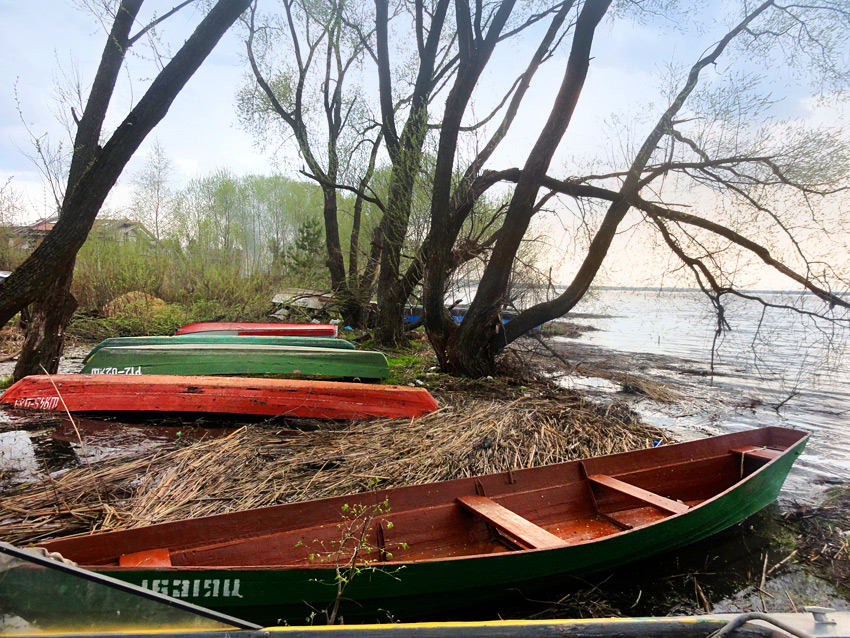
point(266, 369)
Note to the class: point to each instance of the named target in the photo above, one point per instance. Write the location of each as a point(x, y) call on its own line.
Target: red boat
point(278, 329)
point(221, 395)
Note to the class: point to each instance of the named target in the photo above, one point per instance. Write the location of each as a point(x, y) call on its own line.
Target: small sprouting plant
point(352, 554)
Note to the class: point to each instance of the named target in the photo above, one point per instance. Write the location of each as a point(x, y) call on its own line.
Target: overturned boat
point(237, 359)
point(203, 337)
point(218, 395)
point(247, 328)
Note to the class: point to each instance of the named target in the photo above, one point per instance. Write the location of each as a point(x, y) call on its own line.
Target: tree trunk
point(390, 329)
point(393, 228)
point(406, 156)
point(335, 262)
point(46, 329)
point(85, 195)
point(475, 53)
point(477, 356)
point(45, 276)
point(471, 349)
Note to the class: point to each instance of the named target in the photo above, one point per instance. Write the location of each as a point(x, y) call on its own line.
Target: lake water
point(767, 359)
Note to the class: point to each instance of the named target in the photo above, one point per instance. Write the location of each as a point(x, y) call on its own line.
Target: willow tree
point(44, 278)
point(712, 178)
point(301, 59)
point(454, 44)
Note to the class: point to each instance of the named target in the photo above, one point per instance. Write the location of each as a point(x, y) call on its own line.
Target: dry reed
point(263, 465)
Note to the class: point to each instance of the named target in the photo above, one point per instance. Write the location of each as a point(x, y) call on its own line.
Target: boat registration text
point(38, 403)
point(195, 587)
point(127, 370)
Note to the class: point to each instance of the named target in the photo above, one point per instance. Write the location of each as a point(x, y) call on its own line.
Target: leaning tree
point(452, 45)
point(44, 278)
point(712, 178)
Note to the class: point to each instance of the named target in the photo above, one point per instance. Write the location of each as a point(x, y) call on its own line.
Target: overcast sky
point(46, 41)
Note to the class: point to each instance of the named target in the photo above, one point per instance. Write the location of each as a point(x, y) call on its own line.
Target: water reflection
point(51, 444)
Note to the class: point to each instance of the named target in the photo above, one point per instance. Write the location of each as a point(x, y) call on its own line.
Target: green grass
point(142, 319)
point(411, 363)
point(405, 370)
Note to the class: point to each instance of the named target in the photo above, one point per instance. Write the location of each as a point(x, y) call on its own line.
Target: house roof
point(100, 226)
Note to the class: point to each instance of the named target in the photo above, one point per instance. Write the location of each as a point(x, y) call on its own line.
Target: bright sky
point(201, 134)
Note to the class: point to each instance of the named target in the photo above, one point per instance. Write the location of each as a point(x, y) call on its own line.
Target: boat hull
point(409, 588)
point(220, 395)
point(231, 339)
point(246, 328)
point(211, 359)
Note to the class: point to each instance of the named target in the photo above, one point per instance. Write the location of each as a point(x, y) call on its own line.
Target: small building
point(26, 238)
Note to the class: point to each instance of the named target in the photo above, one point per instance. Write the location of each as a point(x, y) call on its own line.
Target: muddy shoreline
point(790, 555)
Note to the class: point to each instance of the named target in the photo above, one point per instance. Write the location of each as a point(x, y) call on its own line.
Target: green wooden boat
point(230, 339)
point(211, 359)
point(47, 597)
point(428, 548)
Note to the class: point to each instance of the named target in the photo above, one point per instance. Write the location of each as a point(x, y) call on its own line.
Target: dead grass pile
point(654, 390)
point(823, 537)
point(257, 465)
point(133, 302)
point(137, 491)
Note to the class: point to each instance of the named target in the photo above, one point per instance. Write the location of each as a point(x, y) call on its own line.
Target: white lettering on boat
point(125, 370)
point(199, 587)
point(39, 403)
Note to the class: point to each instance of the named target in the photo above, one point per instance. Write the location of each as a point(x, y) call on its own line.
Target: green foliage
point(304, 260)
point(232, 244)
point(352, 553)
point(411, 365)
point(404, 370)
point(228, 245)
point(134, 288)
point(135, 321)
point(143, 319)
point(10, 256)
point(107, 269)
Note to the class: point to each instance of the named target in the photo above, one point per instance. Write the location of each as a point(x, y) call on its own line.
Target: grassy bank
point(139, 315)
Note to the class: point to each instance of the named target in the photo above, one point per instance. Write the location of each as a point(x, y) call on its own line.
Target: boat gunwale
point(802, 439)
point(346, 352)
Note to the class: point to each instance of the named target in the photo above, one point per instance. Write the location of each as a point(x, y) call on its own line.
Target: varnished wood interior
point(553, 505)
point(518, 530)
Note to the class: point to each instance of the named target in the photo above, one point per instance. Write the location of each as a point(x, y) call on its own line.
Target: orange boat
point(279, 329)
point(220, 395)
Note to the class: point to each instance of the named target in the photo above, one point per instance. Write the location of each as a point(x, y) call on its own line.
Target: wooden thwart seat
point(656, 500)
point(523, 531)
point(763, 453)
